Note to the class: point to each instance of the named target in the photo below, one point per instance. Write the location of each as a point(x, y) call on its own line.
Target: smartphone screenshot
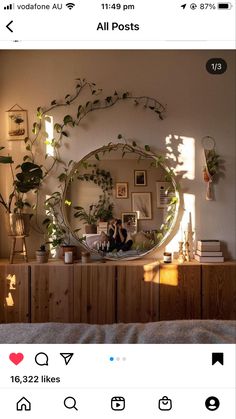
point(117, 209)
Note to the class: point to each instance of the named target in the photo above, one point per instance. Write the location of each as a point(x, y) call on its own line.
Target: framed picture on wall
point(121, 190)
point(142, 204)
point(130, 221)
point(140, 178)
point(17, 123)
point(164, 194)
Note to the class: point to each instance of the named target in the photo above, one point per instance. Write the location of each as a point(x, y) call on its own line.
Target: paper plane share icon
point(67, 357)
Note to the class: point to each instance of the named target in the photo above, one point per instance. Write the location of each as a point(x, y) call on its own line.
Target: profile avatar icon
point(212, 403)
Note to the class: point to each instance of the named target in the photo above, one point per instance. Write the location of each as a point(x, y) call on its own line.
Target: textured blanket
point(179, 331)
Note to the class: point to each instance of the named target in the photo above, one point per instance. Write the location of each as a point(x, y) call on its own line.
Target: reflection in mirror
point(123, 201)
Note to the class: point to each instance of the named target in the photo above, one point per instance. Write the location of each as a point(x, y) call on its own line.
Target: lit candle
point(68, 257)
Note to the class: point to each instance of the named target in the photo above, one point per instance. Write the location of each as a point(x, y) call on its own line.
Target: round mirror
point(121, 201)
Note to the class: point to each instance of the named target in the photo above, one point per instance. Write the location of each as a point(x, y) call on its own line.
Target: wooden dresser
point(110, 292)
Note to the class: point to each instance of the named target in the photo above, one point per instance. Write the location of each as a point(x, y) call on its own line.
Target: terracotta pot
point(42, 256)
point(205, 176)
point(19, 224)
point(90, 229)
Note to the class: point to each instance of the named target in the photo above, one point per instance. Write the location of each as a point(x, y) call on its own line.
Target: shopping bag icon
point(165, 403)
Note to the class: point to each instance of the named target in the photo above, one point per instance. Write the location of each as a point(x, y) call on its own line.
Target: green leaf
point(58, 128)
point(97, 156)
point(62, 177)
point(54, 102)
point(65, 134)
point(147, 147)
point(134, 144)
point(6, 160)
point(68, 119)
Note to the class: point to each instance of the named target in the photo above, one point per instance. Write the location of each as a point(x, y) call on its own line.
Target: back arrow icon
point(8, 26)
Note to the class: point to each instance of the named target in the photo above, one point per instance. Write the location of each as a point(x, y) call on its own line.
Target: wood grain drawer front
point(14, 293)
point(52, 293)
point(94, 294)
point(137, 294)
point(180, 292)
point(219, 292)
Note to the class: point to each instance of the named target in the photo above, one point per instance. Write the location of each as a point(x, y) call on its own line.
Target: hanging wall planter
point(212, 165)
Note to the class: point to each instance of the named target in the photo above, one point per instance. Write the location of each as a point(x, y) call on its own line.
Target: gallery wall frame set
point(17, 123)
point(142, 204)
point(164, 195)
point(130, 221)
point(121, 190)
point(140, 178)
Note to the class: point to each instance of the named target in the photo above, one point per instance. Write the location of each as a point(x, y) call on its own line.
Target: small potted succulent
point(42, 254)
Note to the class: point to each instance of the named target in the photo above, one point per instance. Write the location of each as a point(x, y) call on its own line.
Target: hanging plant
point(212, 166)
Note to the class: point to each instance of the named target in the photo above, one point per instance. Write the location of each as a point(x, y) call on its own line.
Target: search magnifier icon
point(70, 403)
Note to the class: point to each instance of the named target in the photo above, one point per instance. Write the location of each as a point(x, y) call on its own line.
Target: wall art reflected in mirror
point(112, 202)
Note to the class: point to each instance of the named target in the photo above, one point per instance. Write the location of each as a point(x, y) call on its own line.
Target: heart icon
point(16, 358)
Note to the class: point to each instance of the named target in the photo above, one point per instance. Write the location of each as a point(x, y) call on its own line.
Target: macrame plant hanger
point(208, 144)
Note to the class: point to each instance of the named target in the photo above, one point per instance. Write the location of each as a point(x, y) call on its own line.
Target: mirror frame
point(142, 152)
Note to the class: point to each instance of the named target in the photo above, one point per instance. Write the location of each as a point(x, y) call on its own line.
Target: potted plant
point(90, 218)
point(42, 254)
point(104, 208)
point(57, 231)
point(28, 178)
point(212, 167)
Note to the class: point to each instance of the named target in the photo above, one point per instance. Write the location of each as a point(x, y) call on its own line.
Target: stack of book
point(209, 251)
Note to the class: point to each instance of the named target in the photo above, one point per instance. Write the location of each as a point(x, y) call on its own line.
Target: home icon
point(23, 404)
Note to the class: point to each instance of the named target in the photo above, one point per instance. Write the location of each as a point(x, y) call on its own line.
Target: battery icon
point(225, 6)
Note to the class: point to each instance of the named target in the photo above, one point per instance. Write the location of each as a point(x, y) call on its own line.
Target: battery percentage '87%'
point(207, 6)
point(117, 6)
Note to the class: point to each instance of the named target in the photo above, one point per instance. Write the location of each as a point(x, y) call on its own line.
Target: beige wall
point(198, 104)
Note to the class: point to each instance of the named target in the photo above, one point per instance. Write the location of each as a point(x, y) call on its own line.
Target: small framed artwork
point(164, 194)
point(17, 123)
point(121, 190)
point(130, 221)
point(142, 204)
point(140, 178)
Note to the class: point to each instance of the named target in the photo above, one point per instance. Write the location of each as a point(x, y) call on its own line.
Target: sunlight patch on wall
point(189, 212)
point(181, 154)
point(49, 132)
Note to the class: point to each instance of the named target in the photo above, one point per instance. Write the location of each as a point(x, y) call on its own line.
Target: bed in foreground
point(179, 331)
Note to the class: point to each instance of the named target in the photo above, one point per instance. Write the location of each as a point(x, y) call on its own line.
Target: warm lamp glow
point(11, 280)
point(49, 131)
